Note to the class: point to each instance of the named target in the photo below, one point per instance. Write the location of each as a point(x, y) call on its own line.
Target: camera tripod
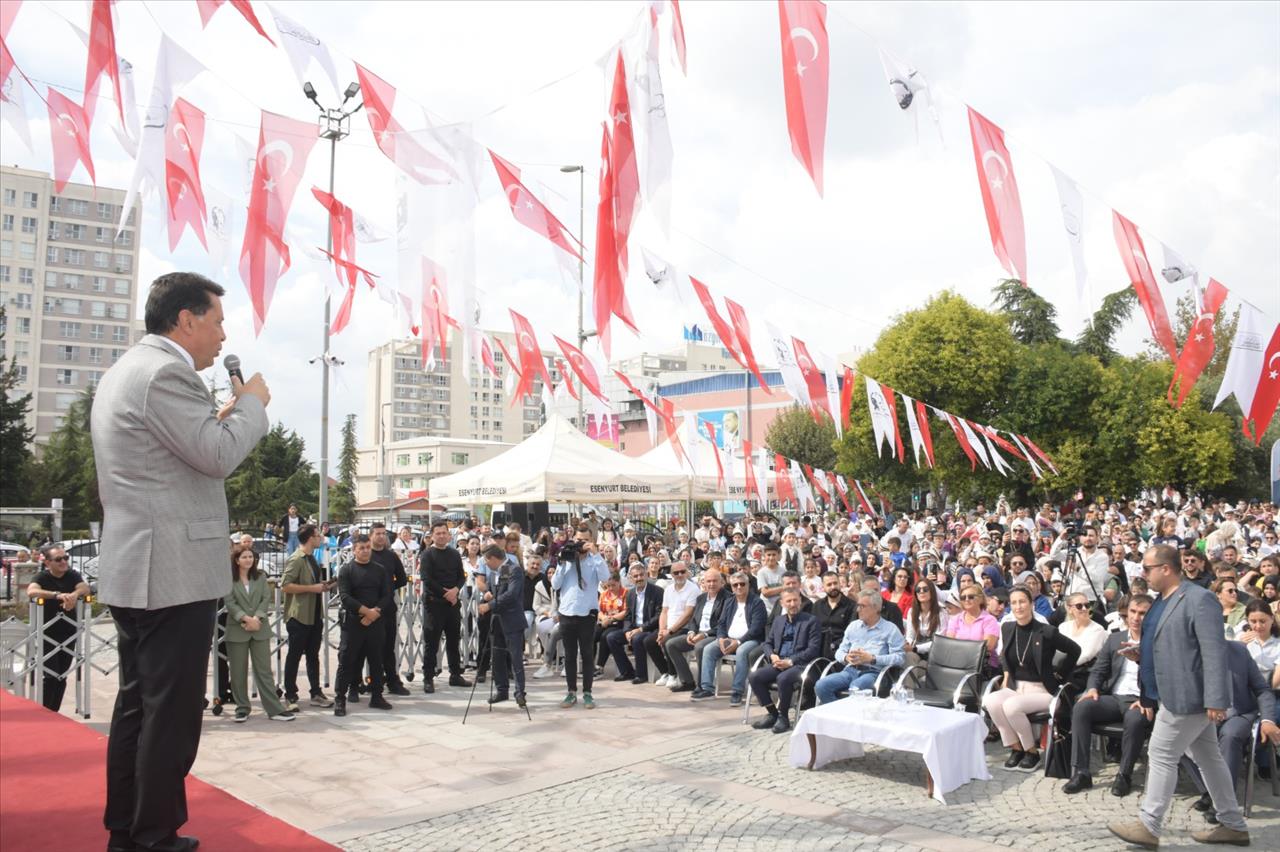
point(493, 668)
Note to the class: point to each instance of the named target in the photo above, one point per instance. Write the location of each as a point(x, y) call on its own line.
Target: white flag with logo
point(800, 483)
point(1072, 205)
point(303, 47)
point(785, 355)
point(917, 438)
point(1244, 364)
point(831, 378)
point(13, 109)
point(882, 417)
point(973, 441)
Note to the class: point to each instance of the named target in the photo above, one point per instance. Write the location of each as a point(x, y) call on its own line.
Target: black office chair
point(884, 684)
point(1251, 760)
point(951, 675)
point(1062, 702)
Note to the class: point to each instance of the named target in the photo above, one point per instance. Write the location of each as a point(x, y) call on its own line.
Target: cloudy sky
point(1169, 113)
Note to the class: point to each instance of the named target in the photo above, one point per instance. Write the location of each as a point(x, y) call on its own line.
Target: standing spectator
point(440, 570)
point(162, 455)
point(1182, 669)
point(60, 587)
point(505, 602)
point(249, 637)
point(406, 547)
point(365, 591)
point(834, 611)
point(289, 526)
point(390, 562)
point(578, 583)
point(304, 591)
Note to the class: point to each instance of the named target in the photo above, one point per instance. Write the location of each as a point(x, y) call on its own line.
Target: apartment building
point(69, 287)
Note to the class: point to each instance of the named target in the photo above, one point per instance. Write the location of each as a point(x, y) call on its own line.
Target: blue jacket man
point(506, 602)
point(795, 640)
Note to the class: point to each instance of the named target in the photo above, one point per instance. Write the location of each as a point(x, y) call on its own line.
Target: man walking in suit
point(506, 631)
point(1182, 666)
point(162, 453)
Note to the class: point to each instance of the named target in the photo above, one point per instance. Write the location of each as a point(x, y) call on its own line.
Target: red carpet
point(53, 785)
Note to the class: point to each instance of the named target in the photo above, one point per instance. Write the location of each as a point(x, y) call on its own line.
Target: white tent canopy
point(559, 464)
point(706, 484)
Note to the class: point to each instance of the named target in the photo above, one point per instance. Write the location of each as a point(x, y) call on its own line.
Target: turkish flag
point(922, 420)
point(863, 500)
point(582, 368)
point(183, 142)
point(742, 335)
point(528, 210)
point(208, 7)
point(728, 339)
point(102, 58)
point(715, 450)
point(897, 430)
point(1197, 350)
point(752, 486)
point(342, 232)
point(668, 414)
point(283, 147)
point(785, 490)
point(816, 482)
point(813, 381)
point(677, 35)
point(803, 27)
point(486, 356)
point(435, 314)
point(566, 377)
point(846, 396)
point(960, 437)
point(1267, 394)
point(999, 195)
point(992, 433)
point(392, 139)
point(69, 133)
point(622, 156)
point(531, 363)
point(608, 293)
point(841, 488)
point(341, 265)
point(1040, 453)
point(1134, 255)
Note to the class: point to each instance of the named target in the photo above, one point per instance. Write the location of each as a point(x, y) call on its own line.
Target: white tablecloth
point(951, 742)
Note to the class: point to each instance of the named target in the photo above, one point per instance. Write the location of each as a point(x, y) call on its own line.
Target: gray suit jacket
point(162, 456)
point(1190, 651)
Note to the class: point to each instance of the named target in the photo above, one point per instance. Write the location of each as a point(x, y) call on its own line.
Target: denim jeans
point(848, 679)
point(711, 659)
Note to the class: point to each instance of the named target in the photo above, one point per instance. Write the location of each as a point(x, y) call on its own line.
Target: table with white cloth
point(950, 741)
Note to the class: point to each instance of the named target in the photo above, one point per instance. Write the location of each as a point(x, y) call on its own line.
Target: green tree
point(794, 434)
point(1100, 331)
point(342, 500)
point(1031, 317)
point(271, 477)
point(15, 434)
point(67, 470)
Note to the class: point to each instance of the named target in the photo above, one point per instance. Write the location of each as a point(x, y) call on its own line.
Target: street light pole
point(334, 125)
point(582, 227)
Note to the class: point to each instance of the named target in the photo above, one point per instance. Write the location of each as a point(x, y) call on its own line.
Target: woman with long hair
point(927, 618)
point(900, 589)
point(249, 637)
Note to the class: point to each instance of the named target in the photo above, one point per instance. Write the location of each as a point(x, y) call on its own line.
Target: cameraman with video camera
point(577, 581)
point(1085, 567)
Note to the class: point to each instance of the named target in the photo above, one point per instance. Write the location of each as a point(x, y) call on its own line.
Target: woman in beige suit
point(249, 636)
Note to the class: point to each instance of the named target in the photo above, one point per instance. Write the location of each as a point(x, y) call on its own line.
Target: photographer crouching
point(577, 581)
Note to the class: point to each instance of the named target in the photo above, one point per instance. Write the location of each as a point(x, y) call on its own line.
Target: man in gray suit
point(162, 453)
point(1182, 665)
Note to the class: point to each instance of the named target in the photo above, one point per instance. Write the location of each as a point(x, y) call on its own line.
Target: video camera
point(571, 551)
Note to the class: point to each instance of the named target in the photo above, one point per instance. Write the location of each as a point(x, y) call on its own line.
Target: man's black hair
point(174, 293)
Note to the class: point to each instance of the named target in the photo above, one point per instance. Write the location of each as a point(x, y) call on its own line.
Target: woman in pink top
point(974, 622)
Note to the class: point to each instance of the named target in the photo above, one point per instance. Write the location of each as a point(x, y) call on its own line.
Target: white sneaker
point(282, 717)
point(545, 671)
point(665, 680)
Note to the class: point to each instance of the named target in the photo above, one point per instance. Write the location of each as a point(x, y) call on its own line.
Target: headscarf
point(997, 580)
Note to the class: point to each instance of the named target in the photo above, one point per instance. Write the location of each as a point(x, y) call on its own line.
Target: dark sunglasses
point(678, 573)
point(1229, 591)
point(738, 585)
point(57, 559)
point(923, 589)
point(968, 597)
point(1080, 606)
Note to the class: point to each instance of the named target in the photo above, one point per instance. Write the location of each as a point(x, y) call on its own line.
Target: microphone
point(232, 363)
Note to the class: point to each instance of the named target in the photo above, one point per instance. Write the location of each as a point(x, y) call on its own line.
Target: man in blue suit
point(795, 640)
point(506, 631)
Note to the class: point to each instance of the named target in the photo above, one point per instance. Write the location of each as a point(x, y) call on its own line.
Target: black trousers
point(1107, 709)
point(787, 680)
point(440, 618)
point(304, 643)
point(359, 643)
point(222, 682)
point(658, 653)
point(601, 642)
point(57, 661)
point(391, 635)
point(155, 729)
point(508, 656)
point(484, 625)
point(616, 639)
point(577, 632)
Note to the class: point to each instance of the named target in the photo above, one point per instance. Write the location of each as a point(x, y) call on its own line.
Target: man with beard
point(387, 559)
point(834, 611)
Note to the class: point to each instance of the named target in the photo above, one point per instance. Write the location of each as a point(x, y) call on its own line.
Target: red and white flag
point(69, 133)
point(715, 450)
point(842, 488)
point(782, 478)
point(677, 35)
point(436, 319)
point(529, 211)
point(728, 339)
point(342, 236)
point(608, 291)
point(486, 355)
point(208, 7)
point(1267, 393)
point(961, 438)
point(752, 486)
point(917, 434)
point(813, 381)
point(182, 146)
point(283, 147)
point(863, 500)
point(846, 396)
point(1134, 256)
point(742, 337)
point(531, 363)
point(400, 147)
point(1197, 350)
point(622, 157)
point(1000, 196)
point(815, 479)
point(884, 420)
point(1043, 456)
point(1036, 473)
point(967, 426)
point(805, 70)
point(102, 58)
point(582, 368)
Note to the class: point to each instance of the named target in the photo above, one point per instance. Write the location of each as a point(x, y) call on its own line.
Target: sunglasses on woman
point(920, 590)
point(1079, 606)
point(968, 597)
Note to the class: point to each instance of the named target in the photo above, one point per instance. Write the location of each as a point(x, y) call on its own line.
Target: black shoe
point(353, 697)
point(120, 841)
point(480, 678)
point(1264, 772)
point(620, 678)
point(520, 702)
point(1015, 757)
point(1030, 762)
point(1079, 781)
point(701, 694)
point(682, 687)
point(782, 726)
point(428, 686)
point(637, 680)
point(599, 672)
point(992, 737)
point(1121, 786)
point(397, 689)
point(1211, 818)
point(377, 702)
point(174, 844)
point(459, 680)
point(766, 723)
point(498, 699)
point(339, 706)
point(1204, 803)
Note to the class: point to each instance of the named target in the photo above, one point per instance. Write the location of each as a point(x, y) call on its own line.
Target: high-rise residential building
point(69, 286)
point(403, 400)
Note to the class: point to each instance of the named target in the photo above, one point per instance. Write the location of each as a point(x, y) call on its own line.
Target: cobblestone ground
point(738, 793)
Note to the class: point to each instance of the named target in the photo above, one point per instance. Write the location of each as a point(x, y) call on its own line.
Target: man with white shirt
point(677, 611)
point(1093, 578)
point(707, 609)
point(405, 546)
point(902, 532)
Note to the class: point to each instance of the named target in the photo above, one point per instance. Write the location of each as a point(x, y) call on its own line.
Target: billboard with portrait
point(728, 424)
